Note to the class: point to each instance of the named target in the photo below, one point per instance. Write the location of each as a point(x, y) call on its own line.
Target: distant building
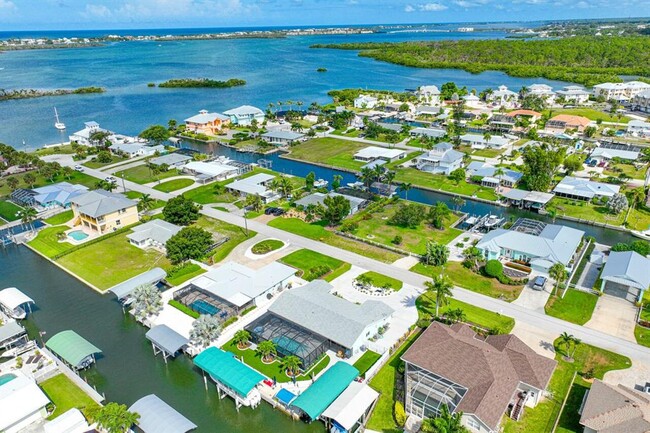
point(600, 154)
point(282, 138)
point(543, 91)
point(103, 212)
point(154, 233)
point(503, 97)
point(207, 123)
point(502, 122)
point(620, 91)
point(478, 141)
point(641, 101)
point(428, 95)
point(489, 177)
point(131, 150)
point(575, 94)
point(428, 132)
point(211, 170)
point(638, 128)
point(534, 116)
point(365, 101)
point(318, 198)
point(172, 160)
point(49, 196)
point(245, 115)
point(372, 153)
point(83, 136)
point(442, 159)
point(257, 184)
point(584, 189)
point(565, 122)
point(608, 408)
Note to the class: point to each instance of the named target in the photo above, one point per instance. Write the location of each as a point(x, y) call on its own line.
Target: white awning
point(71, 421)
point(13, 298)
point(350, 406)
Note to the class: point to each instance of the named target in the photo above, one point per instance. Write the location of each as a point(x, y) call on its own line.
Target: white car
point(78, 168)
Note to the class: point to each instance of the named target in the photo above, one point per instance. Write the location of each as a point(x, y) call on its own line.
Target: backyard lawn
point(220, 229)
point(216, 193)
point(426, 304)
point(309, 261)
point(178, 275)
point(9, 211)
point(74, 177)
point(589, 113)
point(631, 170)
point(331, 151)
point(639, 219)
point(173, 185)
point(576, 306)
point(318, 232)
point(60, 218)
point(142, 174)
point(366, 361)
point(463, 277)
point(66, 395)
point(47, 241)
point(98, 165)
point(443, 183)
point(379, 280)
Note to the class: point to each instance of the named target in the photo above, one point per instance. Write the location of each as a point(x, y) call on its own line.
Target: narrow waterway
point(128, 370)
point(299, 168)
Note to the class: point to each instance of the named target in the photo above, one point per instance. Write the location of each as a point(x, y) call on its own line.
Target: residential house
point(533, 116)
point(578, 188)
point(489, 178)
point(153, 234)
point(641, 101)
point(318, 198)
point(478, 141)
point(471, 100)
point(207, 123)
point(372, 153)
point(543, 91)
point(257, 184)
point(427, 110)
point(428, 132)
point(282, 138)
point(365, 101)
point(484, 379)
point(49, 196)
point(503, 97)
point(102, 211)
point(566, 122)
point(442, 159)
point(22, 403)
point(428, 95)
point(131, 150)
point(534, 200)
point(83, 136)
point(608, 408)
point(245, 115)
point(638, 128)
point(626, 275)
point(541, 249)
point(207, 171)
point(574, 94)
point(602, 153)
point(172, 160)
point(502, 122)
point(620, 91)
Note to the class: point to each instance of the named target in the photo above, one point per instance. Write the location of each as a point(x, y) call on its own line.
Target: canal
point(128, 369)
point(472, 207)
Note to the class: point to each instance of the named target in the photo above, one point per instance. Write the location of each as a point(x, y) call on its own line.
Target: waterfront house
point(321, 320)
point(171, 160)
point(602, 153)
point(482, 378)
point(478, 141)
point(565, 122)
point(608, 408)
point(245, 115)
point(579, 188)
point(626, 275)
point(503, 97)
point(471, 100)
point(131, 150)
point(541, 249)
point(152, 234)
point(620, 91)
point(22, 402)
point(257, 184)
point(638, 128)
point(208, 171)
point(531, 115)
point(428, 95)
point(282, 138)
point(372, 153)
point(83, 136)
point(49, 196)
point(574, 94)
point(365, 101)
point(427, 132)
point(527, 199)
point(103, 212)
point(442, 159)
point(542, 91)
point(427, 110)
point(318, 198)
point(641, 101)
point(207, 123)
point(502, 122)
point(487, 172)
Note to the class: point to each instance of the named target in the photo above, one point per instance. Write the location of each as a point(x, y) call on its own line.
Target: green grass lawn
point(266, 246)
point(216, 193)
point(9, 211)
point(47, 241)
point(74, 177)
point(173, 185)
point(379, 280)
point(441, 182)
point(236, 235)
point(60, 218)
point(184, 273)
point(141, 174)
point(576, 306)
point(589, 113)
point(366, 361)
point(318, 232)
point(331, 151)
point(378, 229)
point(66, 395)
point(94, 164)
point(273, 370)
point(629, 169)
point(467, 279)
point(135, 195)
point(306, 260)
point(482, 153)
point(642, 335)
point(112, 261)
point(426, 305)
point(66, 149)
point(639, 219)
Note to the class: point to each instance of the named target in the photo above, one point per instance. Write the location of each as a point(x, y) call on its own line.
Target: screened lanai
point(426, 392)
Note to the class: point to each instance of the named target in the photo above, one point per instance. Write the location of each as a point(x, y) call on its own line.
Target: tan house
point(207, 123)
point(564, 122)
point(608, 408)
point(102, 211)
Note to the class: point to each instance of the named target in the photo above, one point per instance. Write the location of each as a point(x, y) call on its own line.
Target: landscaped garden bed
point(313, 265)
point(267, 246)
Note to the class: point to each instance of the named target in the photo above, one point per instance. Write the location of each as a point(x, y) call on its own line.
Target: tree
point(291, 364)
point(180, 210)
point(399, 413)
point(254, 202)
point(540, 164)
point(156, 134)
point(445, 422)
point(334, 209)
point(12, 183)
point(266, 350)
point(436, 254)
point(636, 197)
point(367, 176)
point(406, 187)
point(336, 182)
point(188, 243)
point(572, 163)
point(113, 418)
point(494, 268)
point(472, 257)
point(617, 203)
point(571, 343)
point(282, 185)
point(389, 177)
point(558, 273)
point(172, 124)
point(309, 180)
point(456, 315)
point(145, 203)
point(590, 131)
point(205, 330)
point(408, 215)
point(29, 179)
point(441, 288)
point(458, 202)
point(28, 215)
point(437, 214)
point(104, 157)
point(241, 338)
point(147, 301)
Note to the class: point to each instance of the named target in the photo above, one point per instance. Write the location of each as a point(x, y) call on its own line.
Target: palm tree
point(406, 187)
point(67, 172)
point(389, 177)
point(367, 176)
point(291, 364)
point(147, 301)
point(441, 287)
point(205, 330)
point(558, 273)
point(113, 418)
point(145, 203)
point(379, 172)
point(570, 343)
point(636, 196)
point(487, 137)
point(498, 173)
point(458, 202)
point(241, 338)
point(266, 350)
point(445, 422)
point(27, 216)
point(473, 255)
point(336, 182)
point(363, 280)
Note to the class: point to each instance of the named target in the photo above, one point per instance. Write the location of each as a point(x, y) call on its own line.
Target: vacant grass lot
point(173, 185)
point(66, 395)
point(306, 260)
point(379, 280)
point(142, 174)
point(442, 183)
point(589, 113)
point(9, 211)
point(331, 151)
point(318, 232)
point(576, 306)
point(639, 219)
point(629, 169)
point(221, 229)
point(74, 177)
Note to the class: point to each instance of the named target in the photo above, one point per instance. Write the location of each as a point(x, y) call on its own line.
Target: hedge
point(94, 241)
point(184, 308)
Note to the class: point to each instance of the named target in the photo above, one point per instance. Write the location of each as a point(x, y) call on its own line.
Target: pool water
point(202, 307)
point(78, 235)
point(6, 378)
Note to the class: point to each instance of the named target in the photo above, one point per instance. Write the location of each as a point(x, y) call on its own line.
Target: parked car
point(110, 179)
point(275, 211)
point(78, 168)
point(539, 283)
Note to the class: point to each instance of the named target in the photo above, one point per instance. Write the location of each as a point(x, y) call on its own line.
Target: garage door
point(621, 291)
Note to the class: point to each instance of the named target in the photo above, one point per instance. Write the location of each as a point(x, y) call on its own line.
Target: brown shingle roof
point(490, 369)
point(613, 409)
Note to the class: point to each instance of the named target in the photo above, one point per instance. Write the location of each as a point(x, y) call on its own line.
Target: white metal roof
point(627, 267)
point(210, 168)
point(379, 152)
point(12, 297)
point(71, 421)
point(19, 399)
point(124, 289)
point(156, 416)
point(350, 406)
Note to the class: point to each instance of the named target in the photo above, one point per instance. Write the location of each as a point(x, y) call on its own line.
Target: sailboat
point(58, 124)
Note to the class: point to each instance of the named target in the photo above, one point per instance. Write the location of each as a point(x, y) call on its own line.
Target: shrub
point(400, 414)
point(185, 309)
point(423, 323)
point(318, 271)
point(397, 240)
point(349, 226)
point(494, 268)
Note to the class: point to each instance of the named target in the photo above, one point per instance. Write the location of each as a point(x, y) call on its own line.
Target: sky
point(138, 14)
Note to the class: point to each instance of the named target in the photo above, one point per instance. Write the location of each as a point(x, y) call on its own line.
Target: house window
point(472, 423)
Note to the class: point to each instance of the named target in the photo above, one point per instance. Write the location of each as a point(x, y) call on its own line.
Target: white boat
point(13, 303)
point(58, 124)
point(321, 183)
point(492, 221)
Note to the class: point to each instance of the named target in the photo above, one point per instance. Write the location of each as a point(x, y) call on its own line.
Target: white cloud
point(97, 11)
point(6, 4)
point(471, 3)
point(432, 7)
point(409, 8)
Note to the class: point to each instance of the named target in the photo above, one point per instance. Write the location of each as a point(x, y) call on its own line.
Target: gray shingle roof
point(157, 230)
point(318, 198)
point(610, 409)
point(99, 203)
point(629, 268)
point(314, 308)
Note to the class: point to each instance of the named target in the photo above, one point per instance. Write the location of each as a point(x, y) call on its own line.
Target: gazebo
point(156, 416)
point(73, 349)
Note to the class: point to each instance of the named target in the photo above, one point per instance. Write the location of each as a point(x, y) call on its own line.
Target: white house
point(83, 136)
point(604, 154)
point(503, 97)
point(154, 233)
point(172, 160)
point(282, 138)
point(638, 128)
point(489, 177)
point(620, 91)
point(245, 115)
point(442, 159)
point(365, 101)
point(207, 171)
point(575, 94)
point(428, 95)
point(22, 403)
point(543, 91)
point(584, 189)
point(257, 184)
point(428, 132)
point(131, 150)
point(641, 101)
point(372, 153)
point(478, 141)
point(318, 198)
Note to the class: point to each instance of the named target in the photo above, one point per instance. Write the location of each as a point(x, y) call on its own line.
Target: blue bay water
point(275, 70)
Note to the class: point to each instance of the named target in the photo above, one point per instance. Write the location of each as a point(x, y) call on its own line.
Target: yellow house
point(207, 123)
point(102, 211)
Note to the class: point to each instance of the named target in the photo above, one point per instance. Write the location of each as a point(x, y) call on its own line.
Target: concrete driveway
point(533, 299)
point(614, 316)
point(538, 339)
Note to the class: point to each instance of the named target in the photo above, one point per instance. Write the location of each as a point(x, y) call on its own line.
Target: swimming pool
point(6, 378)
point(78, 235)
point(202, 307)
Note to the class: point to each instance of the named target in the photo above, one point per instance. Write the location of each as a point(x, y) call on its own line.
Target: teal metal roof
point(326, 389)
point(223, 367)
point(72, 347)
